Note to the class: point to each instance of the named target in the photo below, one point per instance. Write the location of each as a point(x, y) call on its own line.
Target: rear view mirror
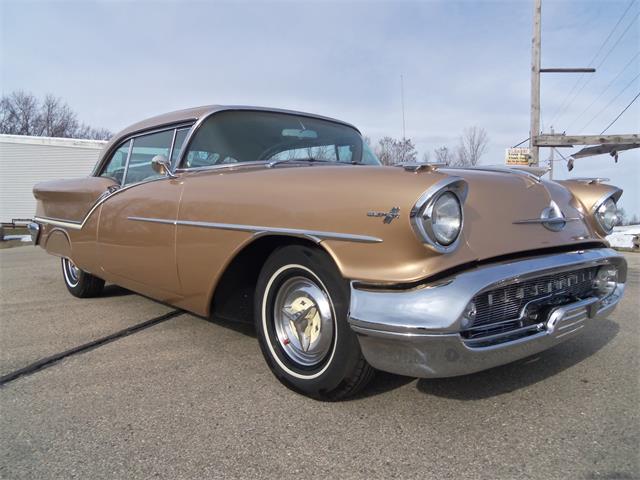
point(296, 132)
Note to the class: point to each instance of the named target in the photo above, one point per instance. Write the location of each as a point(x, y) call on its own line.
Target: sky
point(464, 63)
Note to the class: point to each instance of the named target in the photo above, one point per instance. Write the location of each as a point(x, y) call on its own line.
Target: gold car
point(288, 220)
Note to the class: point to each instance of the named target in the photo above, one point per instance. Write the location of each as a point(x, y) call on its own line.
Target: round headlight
point(437, 215)
point(607, 215)
point(446, 218)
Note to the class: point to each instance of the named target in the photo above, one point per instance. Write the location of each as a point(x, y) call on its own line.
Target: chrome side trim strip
point(315, 234)
point(56, 222)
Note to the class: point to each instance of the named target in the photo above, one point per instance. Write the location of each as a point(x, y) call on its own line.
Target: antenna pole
point(404, 135)
point(552, 157)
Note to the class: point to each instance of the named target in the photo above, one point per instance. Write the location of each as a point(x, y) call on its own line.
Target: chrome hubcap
point(303, 320)
point(73, 272)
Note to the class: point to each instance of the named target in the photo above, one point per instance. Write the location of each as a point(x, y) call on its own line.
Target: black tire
point(342, 370)
point(80, 283)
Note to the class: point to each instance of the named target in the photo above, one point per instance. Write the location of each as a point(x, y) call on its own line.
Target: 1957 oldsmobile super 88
point(287, 219)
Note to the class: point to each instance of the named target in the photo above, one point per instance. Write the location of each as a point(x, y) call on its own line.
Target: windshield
point(247, 136)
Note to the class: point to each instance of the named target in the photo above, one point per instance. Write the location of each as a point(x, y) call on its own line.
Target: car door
point(136, 233)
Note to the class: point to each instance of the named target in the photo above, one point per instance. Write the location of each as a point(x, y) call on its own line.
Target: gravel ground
point(190, 398)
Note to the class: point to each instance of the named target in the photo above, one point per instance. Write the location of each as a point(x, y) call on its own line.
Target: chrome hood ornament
point(551, 218)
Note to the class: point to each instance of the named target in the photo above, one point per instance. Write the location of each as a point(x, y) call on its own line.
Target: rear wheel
point(302, 304)
point(80, 283)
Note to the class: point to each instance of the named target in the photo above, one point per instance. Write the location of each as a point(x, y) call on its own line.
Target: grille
point(498, 310)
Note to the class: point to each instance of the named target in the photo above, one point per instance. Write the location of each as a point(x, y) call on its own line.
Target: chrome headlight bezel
point(598, 214)
point(422, 213)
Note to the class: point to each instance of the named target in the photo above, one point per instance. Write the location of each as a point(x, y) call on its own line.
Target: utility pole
point(534, 129)
point(603, 144)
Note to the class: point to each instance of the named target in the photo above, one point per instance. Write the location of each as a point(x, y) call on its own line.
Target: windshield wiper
point(273, 163)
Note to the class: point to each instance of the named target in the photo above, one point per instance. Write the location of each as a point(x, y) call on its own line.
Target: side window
point(181, 135)
point(144, 149)
point(115, 166)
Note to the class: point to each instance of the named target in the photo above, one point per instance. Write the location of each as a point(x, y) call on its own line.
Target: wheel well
point(233, 295)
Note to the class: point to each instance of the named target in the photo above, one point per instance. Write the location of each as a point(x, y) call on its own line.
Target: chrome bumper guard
point(418, 332)
point(34, 232)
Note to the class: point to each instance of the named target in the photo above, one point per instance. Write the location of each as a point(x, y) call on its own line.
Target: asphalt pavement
point(193, 398)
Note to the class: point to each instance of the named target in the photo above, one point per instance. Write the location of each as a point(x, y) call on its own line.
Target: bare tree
point(22, 114)
point(384, 150)
point(426, 157)
point(405, 151)
point(391, 151)
point(19, 114)
point(443, 155)
point(472, 145)
point(55, 118)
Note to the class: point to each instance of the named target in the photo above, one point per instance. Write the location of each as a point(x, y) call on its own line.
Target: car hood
point(342, 199)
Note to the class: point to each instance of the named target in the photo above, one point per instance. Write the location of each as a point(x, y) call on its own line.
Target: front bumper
point(418, 332)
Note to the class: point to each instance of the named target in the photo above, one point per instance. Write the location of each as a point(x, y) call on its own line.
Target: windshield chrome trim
point(256, 163)
point(316, 235)
point(219, 109)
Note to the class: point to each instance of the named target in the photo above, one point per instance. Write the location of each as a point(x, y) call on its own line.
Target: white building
point(25, 161)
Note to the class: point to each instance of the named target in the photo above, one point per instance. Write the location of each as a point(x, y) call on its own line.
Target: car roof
point(194, 114)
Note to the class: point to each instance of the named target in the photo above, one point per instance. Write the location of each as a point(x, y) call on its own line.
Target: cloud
point(464, 63)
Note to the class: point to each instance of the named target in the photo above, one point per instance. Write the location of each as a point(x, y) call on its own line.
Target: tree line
point(472, 145)
point(23, 113)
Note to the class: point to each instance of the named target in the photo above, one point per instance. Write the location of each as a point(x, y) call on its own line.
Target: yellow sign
point(517, 156)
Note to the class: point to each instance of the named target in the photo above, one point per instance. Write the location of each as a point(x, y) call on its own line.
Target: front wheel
point(302, 304)
point(80, 283)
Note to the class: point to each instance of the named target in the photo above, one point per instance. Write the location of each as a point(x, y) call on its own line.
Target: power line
point(568, 99)
point(610, 102)
point(618, 41)
point(518, 144)
point(612, 32)
point(602, 92)
point(586, 82)
point(620, 114)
